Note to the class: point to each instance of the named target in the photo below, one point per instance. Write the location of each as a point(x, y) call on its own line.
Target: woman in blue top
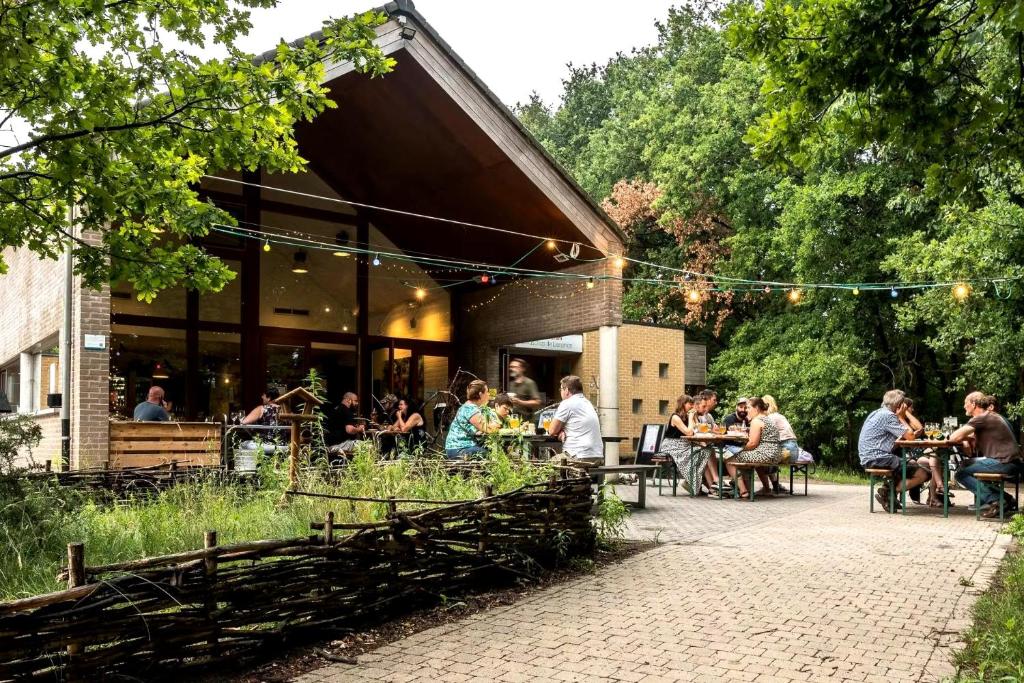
point(469, 423)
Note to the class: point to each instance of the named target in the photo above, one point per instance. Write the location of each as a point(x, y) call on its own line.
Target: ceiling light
point(299, 263)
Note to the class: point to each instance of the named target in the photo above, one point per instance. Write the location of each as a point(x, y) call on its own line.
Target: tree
point(916, 76)
point(123, 126)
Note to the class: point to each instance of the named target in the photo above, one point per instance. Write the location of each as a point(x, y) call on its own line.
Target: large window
point(141, 357)
point(308, 289)
point(405, 301)
point(169, 303)
point(220, 376)
point(224, 306)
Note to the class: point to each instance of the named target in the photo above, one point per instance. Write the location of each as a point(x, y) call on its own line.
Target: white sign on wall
point(95, 342)
point(572, 343)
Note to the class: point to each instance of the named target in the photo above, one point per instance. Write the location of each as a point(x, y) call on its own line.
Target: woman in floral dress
point(763, 446)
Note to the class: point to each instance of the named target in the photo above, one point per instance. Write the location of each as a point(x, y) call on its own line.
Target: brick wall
point(32, 304)
point(511, 313)
point(651, 346)
point(90, 378)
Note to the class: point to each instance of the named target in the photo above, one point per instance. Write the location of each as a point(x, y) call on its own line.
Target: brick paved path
point(790, 589)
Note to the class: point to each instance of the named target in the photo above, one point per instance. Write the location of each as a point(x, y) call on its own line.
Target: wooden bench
point(883, 474)
point(999, 479)
point(641, 470)
point(145, 444)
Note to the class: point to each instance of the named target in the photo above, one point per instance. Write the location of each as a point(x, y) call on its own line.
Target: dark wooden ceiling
point(401, 142)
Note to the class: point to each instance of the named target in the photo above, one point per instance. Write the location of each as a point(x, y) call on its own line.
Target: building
point(354, 294)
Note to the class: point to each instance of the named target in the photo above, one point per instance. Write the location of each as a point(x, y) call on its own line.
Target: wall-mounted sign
point(95, 342)
point(572, 343)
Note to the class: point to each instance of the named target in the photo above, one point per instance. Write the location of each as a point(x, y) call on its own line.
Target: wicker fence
point(153, 618)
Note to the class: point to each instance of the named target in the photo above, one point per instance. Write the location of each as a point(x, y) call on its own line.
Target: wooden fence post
point(76, 578)
point(329, 529)
point(210, 564)
point(482, 545)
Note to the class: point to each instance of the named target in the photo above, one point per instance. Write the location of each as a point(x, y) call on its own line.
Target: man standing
point(522, 390)
point(576, 423)
point(152, 409)
point(738, 418)
point(877, 443)
point(996, 448)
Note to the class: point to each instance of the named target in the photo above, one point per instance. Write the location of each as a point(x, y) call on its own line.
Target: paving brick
point(786, 589)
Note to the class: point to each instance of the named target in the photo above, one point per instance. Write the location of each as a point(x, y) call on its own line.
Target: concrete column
point(608, 388)
point(26, 376)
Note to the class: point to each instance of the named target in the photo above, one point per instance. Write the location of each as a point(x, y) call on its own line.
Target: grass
point(838, 475)
point(994, 649)
point(37, 525)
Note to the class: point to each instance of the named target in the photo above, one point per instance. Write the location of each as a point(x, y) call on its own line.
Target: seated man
point(153, 409)
point(344, 426)
point(576, 423)
point(877, 443)
point(996, 449)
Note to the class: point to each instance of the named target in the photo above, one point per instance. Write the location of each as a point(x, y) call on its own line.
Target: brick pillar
point(90, 377)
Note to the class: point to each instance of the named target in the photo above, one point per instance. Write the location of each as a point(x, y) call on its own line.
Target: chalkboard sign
point(649, 443)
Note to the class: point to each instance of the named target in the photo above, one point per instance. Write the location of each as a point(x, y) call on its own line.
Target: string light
point(590, 283)
point(484, 279)
point(794, 295)
point(551, 245)
point(266, 245)
point(376, 259)
point(856, 291)
point(327, 309)
point(893, 293)
point(961, 292)
point(620, 262)
point(344, 328)
point(693, 295)
point(421, 293)
point(767, 289)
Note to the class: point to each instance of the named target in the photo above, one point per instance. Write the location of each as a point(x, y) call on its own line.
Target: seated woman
point(787, 440)
point(691, 462)
point(762, 446)
point(469, 424)
point(407, 420)
point(266, 415)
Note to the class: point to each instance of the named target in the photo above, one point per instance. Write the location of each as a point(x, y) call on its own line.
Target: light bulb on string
point(620, 262)
point(893, 293)
point(693, 295)
point(266, 245)
point(551, 245)
point(421, 294)
point(794, 295)
point(767, 289)
point(376, 259)
point(484, 279)
point(961, 291)
point(590, 283)
point(856, 291)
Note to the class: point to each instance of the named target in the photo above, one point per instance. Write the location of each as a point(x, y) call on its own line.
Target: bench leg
point(977, 500)
point(1001, 501)
point(751, 484)
point(871, 492)
point(791, 480)
point(892, 496)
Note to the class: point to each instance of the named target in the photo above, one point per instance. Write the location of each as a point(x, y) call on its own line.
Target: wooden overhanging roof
point(431, 138)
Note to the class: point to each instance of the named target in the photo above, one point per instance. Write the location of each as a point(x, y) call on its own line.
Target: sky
point(514, 46)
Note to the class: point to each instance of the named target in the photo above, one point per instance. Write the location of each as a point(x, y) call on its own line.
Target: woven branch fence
point(153, 618)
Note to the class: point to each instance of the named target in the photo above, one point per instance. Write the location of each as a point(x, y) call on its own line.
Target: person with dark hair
point(762, 447)
point(407, 430)
point(500, 410)
point(469, 423)
point(692, 463)
point(265, 415)
point(709, 398)
point(577, 424)
point(522, 390)
point(344, 426)
point(266, 412)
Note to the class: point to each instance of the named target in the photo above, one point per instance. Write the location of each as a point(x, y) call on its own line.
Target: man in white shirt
point(576, 423)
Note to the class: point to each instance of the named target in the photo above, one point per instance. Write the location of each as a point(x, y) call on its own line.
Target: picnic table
point(718, 442)
point(943, 450)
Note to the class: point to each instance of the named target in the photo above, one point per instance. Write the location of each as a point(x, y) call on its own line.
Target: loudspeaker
point(53, 400)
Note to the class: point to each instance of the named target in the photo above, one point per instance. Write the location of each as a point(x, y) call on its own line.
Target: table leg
point(903, 484)
point(721, 464)
point(945, 484)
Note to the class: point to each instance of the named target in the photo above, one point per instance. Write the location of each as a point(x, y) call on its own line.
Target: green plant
point(612, 514)
point(18, 434)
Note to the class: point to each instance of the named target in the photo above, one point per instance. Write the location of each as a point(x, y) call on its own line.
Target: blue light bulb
point(893, 293)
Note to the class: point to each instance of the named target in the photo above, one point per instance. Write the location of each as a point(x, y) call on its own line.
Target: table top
point(717, 438)
point(260, 428)
point(614, 439)
point(925, 443)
